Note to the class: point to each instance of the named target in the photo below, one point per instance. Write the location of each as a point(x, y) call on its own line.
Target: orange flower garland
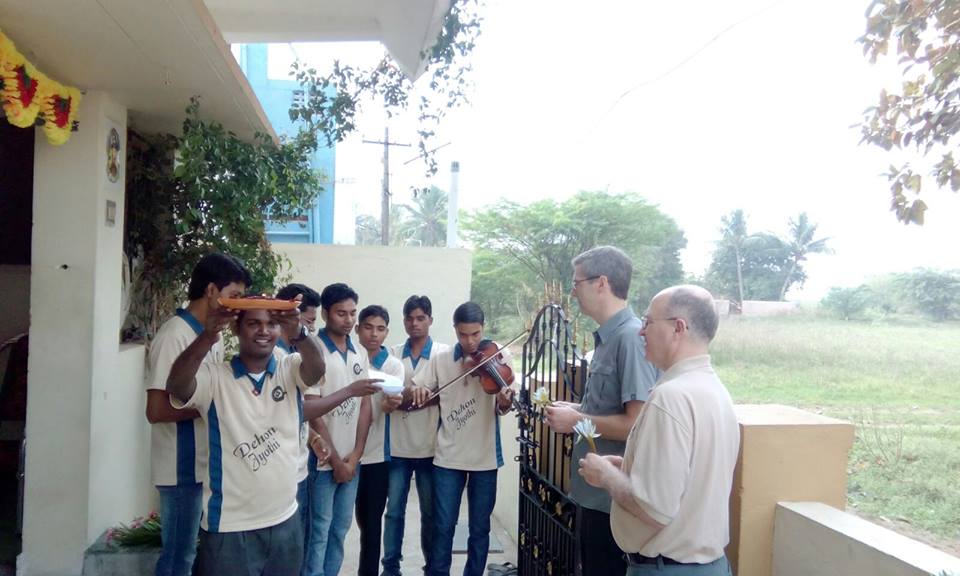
point(29, 97)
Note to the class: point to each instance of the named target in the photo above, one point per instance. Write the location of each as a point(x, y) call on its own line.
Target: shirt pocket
point(603, 390)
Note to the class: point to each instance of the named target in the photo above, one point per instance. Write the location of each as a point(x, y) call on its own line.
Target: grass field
point(899, 382)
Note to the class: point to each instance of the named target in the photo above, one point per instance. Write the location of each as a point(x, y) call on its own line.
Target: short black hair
point(468, 313)
point(337, 293)
point(414, 302)
point(291, 291)
point(374, 310)
point(218, 269)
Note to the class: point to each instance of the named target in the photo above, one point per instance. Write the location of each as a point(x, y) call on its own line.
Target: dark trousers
point(371, 501)
point(599, 553)
point(276, 550)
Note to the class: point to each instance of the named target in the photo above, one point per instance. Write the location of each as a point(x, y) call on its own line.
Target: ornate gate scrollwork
point(549, 520)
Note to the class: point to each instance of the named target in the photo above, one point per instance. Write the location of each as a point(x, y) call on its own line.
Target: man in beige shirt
point(671, 489)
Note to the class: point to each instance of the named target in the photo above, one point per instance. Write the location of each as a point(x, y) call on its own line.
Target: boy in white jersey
point(413, 439)
point(372, 330)
point(310, 301)
point(177, 437)
point(344, 431)
point(253, 411)
point(468, 445)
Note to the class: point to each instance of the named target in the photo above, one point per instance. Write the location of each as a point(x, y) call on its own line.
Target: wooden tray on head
point(258, 303)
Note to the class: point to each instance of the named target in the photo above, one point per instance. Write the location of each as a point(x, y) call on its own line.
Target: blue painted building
point(276, 96)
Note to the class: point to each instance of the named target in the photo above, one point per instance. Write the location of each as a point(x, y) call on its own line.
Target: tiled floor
point(412, 556)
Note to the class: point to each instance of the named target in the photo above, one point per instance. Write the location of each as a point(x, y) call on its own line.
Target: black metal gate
point(549, 521)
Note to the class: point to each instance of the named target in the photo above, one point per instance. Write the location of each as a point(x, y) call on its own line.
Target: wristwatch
point(301, 336)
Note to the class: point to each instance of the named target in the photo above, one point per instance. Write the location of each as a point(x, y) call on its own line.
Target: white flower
point(587, 430)
point(541, 397)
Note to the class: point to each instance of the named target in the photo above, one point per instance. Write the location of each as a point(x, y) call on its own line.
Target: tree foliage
point(761, 266)
point(923, 114)
point(848, 303)
point(936, 294)
point(532, 245)
point(421, 223)
point(202, 191)
point(333, 98)
point(425, 222)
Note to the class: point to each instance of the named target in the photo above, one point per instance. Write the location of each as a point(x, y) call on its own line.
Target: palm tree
point(735, 233)
point(427, 220)
point(799, 244)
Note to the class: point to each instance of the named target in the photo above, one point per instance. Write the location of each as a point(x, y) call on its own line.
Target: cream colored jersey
point(283, 349)
point(253, 432)
point(343, 368)
point(378, 448)
point(469, 434)
point(177, 449)
point(414, 434)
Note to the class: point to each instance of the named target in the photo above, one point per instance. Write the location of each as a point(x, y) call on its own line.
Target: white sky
point(760, 119)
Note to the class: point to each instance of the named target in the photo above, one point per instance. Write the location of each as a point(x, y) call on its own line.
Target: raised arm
point(181, 383)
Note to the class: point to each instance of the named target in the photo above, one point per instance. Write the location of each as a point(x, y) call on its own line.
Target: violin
point(494, 374)
point(486, 363)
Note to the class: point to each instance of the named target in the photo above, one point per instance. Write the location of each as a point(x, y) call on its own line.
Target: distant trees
point(522, 248)
point(933, 294)
point(423, 222)
point(761, 266)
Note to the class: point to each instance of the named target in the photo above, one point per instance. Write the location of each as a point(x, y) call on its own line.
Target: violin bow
point(437, 392)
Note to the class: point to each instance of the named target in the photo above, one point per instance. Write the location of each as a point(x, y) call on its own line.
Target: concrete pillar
point(786, 454)
point(80, 471)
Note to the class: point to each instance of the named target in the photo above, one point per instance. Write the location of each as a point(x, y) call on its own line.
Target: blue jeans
point(481, 496)
point(401, 469)
point(304, 491)
point(719, 567)
point(180, 508)
point(331, 515)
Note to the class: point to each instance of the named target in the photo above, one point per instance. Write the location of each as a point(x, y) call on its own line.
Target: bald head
point(695, 305)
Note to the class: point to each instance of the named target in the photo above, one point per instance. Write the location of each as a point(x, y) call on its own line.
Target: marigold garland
point(30, 98)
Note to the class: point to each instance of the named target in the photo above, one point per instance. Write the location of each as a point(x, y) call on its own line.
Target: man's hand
point(617, 461)
point(417, 395)
point(391, 402)
point(217, 320)
point(562, 418)
point(341, 473)
point(505, 399)
point(347, 469)
point(595, 469)
point(365, 387)
point(320, 450)
point(559, 403)
point(289, 321)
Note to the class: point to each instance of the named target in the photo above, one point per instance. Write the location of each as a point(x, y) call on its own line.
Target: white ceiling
point(153, 55)
point(405, 27)
point(150, 55)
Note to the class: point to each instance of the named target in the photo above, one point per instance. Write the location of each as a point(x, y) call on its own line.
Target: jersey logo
point(357, 369)
point(278, 394)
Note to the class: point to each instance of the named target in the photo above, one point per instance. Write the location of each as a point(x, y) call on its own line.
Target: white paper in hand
point(390, 384)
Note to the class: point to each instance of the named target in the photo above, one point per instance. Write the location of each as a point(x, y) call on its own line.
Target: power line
point(679, 64)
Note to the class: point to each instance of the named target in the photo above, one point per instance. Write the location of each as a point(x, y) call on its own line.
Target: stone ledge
point(812, 538)
point(102, 559)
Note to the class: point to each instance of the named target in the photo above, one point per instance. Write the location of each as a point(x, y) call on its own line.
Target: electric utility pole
point(385, 198)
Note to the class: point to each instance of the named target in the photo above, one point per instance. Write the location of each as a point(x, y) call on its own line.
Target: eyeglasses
point(577, 281)
point(646, 320)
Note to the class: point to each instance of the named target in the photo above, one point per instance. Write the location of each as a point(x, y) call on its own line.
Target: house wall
point(85, 461)
point(388, 275)
point(276, 97)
